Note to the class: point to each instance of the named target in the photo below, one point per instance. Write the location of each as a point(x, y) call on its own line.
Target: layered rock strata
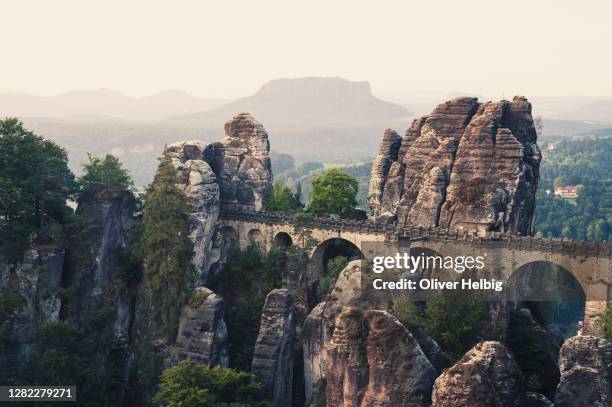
point(486, 376)
point(232, 173)
point(585, 363)
point(202, 333)
point(319, 326)
point(93, 258)
point(373, 360)
point(273, 356)
point(466, 165)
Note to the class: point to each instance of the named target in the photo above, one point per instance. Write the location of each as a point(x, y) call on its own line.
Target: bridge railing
point(393, 231)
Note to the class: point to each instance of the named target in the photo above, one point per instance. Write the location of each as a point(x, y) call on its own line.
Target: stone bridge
point(505, 254)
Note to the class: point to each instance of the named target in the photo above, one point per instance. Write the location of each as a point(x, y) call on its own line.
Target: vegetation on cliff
point(167, 249)
point(192, 385)
point(282, 199)
point(107, 171)
point(605, 323)
point(244, 283)
point(456, 320)
point(35, 183)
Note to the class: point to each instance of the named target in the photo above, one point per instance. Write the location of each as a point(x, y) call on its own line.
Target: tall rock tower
point(468, 165)
point(234, 173)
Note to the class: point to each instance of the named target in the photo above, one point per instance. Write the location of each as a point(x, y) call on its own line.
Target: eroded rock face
point(33, 287)
point(232, 173)
point(373, 360)
point(242, 163)
point(387, 155)
point(585, 363)
point(466, 165)
point(202, 333)
point(319, 327)
point(273, 357)
point(486, 376)
point(201, 188)
point(92, 259)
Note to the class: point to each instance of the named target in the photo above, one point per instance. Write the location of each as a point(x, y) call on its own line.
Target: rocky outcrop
point(242, 163)
point(486, 376)
point(202, 333)
point(373, 360)
point(466, 165)
point(585, 363)
point(273, 357)
point(319, 326)
point(387, 155)
point(201, 188)
point(93, 258)
point(29, 296)
point(232, 173)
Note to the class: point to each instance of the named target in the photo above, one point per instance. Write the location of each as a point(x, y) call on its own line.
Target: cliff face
point(319, 327)
point(33, 287)
point(373, 360)
point(273, 357)
point(486, 376)
point(585, 363)
point(466, 165)
point(92, 259)
point(232, 173)
point(202, 333)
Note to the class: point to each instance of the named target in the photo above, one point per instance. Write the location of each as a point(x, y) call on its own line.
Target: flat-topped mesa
point(468, 165)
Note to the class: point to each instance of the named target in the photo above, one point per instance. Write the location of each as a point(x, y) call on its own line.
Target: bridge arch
point(255, 237)
point(554, 294)
point(331, 248)
point(282, 240)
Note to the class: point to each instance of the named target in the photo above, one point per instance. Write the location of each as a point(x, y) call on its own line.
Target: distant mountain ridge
point(309, 102)
point(105, 103)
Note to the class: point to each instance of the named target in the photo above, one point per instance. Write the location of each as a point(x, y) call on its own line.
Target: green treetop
point(335, 193)
point(191, 385)
point(106, 171)
point(167, 248)
point(282, 199)
point(35, 183)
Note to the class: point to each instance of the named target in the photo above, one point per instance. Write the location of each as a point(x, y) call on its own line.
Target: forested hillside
point(585, 163)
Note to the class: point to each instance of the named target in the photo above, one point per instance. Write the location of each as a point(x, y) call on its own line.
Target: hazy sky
point(229, 48)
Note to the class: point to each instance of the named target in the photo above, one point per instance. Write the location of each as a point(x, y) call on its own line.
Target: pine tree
point(168, 250)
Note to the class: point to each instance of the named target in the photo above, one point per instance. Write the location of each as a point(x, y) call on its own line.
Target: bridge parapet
point(395, 232)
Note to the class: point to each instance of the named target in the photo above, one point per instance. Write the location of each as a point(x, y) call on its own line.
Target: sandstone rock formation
point(93, 258)
point(273, 357)
point(242, 163)
point(33, 286)
point(202, 333)
point(466, 165)
point(486, 376)
point(585, 363)
point(373, 360)
point(232, 173)
point(319, 326)
point(201, 188)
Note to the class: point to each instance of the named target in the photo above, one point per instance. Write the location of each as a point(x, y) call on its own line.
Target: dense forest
point(584, 163)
